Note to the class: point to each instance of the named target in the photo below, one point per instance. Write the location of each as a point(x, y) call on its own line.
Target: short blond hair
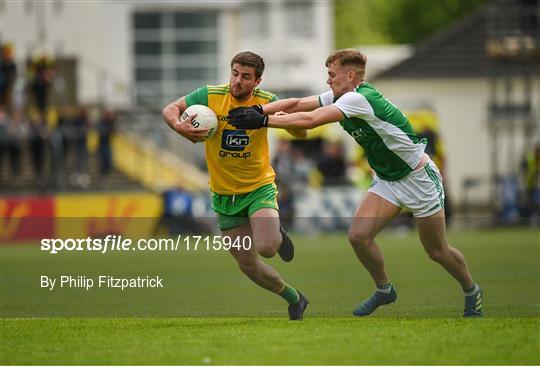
point(349, 57)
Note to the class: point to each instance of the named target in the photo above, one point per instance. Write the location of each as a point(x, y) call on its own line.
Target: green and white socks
point(472, 291)
point(385, 288)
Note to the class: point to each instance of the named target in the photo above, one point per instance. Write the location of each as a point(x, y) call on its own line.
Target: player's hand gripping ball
point(205, 119)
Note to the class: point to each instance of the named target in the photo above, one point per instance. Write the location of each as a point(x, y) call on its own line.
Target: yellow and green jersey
point(238, 160)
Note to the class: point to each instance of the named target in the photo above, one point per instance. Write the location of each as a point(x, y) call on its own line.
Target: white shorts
point(421, 191)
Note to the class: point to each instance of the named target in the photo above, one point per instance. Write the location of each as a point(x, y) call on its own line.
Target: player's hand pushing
point(248, 118)
point(186, 129)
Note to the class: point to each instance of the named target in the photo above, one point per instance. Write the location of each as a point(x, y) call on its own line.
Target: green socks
point(289, 294)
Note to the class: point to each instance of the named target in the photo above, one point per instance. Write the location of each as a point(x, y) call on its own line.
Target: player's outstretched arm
point(250, 119)
point(171, 115)
point(290, 105)
point(306, 120)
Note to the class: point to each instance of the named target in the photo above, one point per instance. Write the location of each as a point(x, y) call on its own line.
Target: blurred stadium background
point(83, 84)
point(81, 136)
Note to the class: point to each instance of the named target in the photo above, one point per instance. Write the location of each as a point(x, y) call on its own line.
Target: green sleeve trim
point(199, 96)
point(264, 94)
point(220, 86)
point(320, 101)
point(221, 89)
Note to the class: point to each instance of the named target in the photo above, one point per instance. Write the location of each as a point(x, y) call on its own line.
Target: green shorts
point(235, 210)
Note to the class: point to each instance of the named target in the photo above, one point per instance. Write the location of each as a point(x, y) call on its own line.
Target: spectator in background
point(304, 170)
point(10, 144)
point(284, 166)
point(38, 136)
point(41, 75)
point(57, 144)
point(64, 125)
point(8, 75)
point(4, 138)
point(530, 168)
point(81, 124)
point(105, 129)
point(332, 164)
point(16, 135)
point(283, 163)
point(291, 166)
point(286, 198)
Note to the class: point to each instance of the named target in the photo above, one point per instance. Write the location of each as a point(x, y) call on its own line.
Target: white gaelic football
point(205, 119)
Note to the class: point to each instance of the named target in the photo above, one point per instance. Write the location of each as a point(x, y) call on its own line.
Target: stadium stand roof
point(463, 50)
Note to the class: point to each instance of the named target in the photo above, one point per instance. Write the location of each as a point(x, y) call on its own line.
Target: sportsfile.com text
point(120, 243)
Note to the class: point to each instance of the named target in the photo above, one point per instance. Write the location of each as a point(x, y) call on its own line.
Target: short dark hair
point(349, 57)
point(250, 59)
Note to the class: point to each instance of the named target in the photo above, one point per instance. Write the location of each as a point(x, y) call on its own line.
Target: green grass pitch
point(209, 313)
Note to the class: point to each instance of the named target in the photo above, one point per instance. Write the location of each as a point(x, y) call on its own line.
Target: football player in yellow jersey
point(241, 177)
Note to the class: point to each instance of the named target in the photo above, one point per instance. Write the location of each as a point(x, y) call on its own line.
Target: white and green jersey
point(392, 148)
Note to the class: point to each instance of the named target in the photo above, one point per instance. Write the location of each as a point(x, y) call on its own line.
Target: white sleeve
point(326, 98)
point(354, 104)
